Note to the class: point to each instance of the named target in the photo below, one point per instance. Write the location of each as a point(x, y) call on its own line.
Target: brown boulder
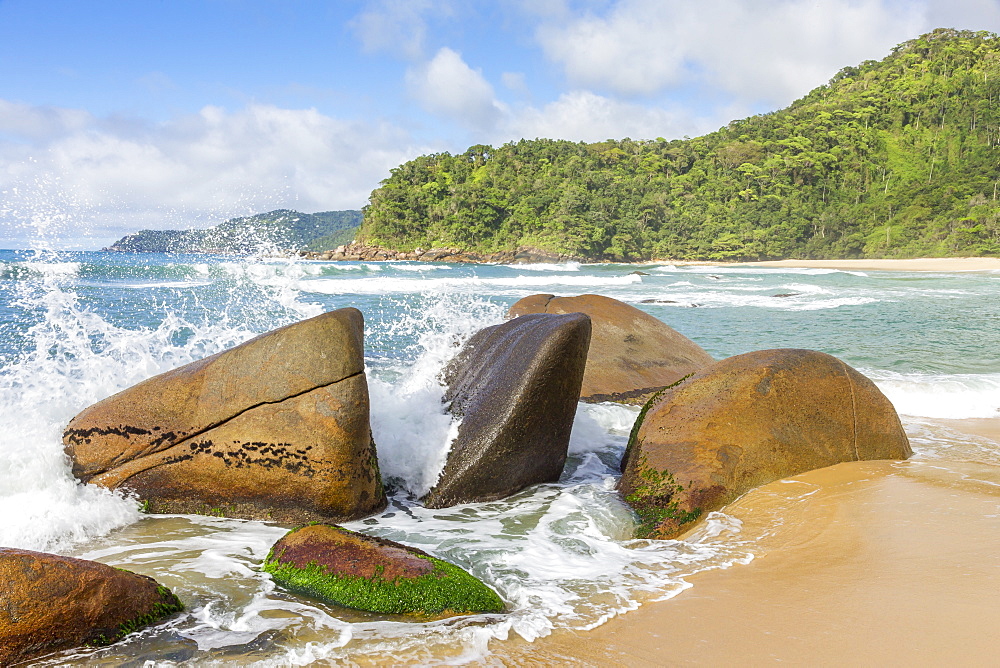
point(632, 354)
point(50, 603)
point(374, 574)
point(276, 428)
point(515, 386)
point(746, 421)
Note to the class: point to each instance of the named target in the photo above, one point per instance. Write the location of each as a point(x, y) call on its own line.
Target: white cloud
point(964, 14)
point(515, 82)
point(771, 51)
point(448, 87)
point(27, 122)
point(395, 26)
point(193, 170)
point(585, 116)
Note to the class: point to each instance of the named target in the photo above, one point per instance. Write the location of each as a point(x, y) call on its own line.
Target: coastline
point(863, 563)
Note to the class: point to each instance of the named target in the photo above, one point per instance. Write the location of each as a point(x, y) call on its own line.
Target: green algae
point(168, 605)
point(446, 589)
point(654, 501)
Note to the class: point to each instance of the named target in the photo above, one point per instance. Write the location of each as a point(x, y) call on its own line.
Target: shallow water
point(76, 327)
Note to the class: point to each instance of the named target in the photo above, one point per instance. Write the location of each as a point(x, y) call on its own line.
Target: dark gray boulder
point(516, 387)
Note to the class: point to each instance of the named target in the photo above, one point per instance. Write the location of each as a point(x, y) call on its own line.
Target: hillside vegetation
point(892, 158)
point(281, 230)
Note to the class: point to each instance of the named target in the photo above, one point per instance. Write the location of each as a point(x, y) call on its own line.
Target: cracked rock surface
point(516, 387)
point(632, 354)
point(749, 420)
point(276, 428)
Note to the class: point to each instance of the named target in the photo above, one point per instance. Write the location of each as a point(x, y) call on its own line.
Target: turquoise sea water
point(78, 326)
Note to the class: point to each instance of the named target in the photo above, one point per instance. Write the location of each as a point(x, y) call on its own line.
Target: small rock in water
point(50, 603)
point(658, 301)
point(374, 574)
point(516, 387)
point(787, 294)
point(745, 421)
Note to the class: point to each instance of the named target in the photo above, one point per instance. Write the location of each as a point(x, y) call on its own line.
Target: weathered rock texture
point(515, 386)
point(50, 603)
point(276, 428)
point(746, 421)
point(374, 574)
point(632, 354)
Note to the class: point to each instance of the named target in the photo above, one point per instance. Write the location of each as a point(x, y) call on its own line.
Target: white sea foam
point(542, 266)
point(74, 358)
point(472, 285)
point(941, 396)
point(742, 269)
point(600, 427)
point(64, 269)
point(409, 423)
point(713, 298)
point(164, 284)
point(419, 266)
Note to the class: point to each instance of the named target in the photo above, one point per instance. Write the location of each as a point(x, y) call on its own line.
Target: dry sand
point(915, 264)
point(865, 563)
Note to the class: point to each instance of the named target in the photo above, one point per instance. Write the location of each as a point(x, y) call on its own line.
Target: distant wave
point(392, 285)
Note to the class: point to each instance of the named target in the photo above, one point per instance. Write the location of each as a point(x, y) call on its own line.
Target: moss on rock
point(361, 572)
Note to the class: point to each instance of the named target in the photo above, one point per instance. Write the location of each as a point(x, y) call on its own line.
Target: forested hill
point(892, 158)
point(282, 230)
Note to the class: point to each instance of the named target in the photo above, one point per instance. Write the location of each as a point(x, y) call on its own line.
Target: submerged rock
point(276, 428)
point(746, 421)
point(374, 574)
point(50, 603)
point(515, 387)
point(632, 354)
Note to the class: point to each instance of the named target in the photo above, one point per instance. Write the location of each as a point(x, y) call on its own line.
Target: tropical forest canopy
point(892, 158)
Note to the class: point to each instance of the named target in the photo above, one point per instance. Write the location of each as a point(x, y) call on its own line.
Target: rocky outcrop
point(515, 386)
point(746, 421)
point(50, 603)
point(632, 354)
point(366, 253)
point(374, 574)
point(276, 428)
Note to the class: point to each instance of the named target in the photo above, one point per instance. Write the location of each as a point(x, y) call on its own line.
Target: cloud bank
point(194, 170)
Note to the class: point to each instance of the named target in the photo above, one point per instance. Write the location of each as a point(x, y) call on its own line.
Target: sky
point(119, 115)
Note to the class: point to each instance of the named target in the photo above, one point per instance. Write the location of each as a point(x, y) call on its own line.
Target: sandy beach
point(864, 563)
point(914, 264)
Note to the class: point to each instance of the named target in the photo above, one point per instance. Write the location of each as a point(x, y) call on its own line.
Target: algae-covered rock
point(50, 603)
point(631, 355)
point(276, 428)
point(362, 572)
point(746, 421)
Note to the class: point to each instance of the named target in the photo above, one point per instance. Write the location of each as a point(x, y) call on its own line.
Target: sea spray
point(69, 356)
point(412, 429)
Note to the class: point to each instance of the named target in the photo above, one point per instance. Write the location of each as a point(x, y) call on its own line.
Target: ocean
point(76, 327)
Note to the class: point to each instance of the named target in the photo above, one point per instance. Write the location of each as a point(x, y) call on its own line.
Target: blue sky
point(120, 115)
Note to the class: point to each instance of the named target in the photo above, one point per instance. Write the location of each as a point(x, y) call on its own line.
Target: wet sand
point(864, 563)
point(915, 264)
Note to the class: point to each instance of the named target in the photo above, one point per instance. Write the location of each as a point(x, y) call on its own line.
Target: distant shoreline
point(913, 264)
